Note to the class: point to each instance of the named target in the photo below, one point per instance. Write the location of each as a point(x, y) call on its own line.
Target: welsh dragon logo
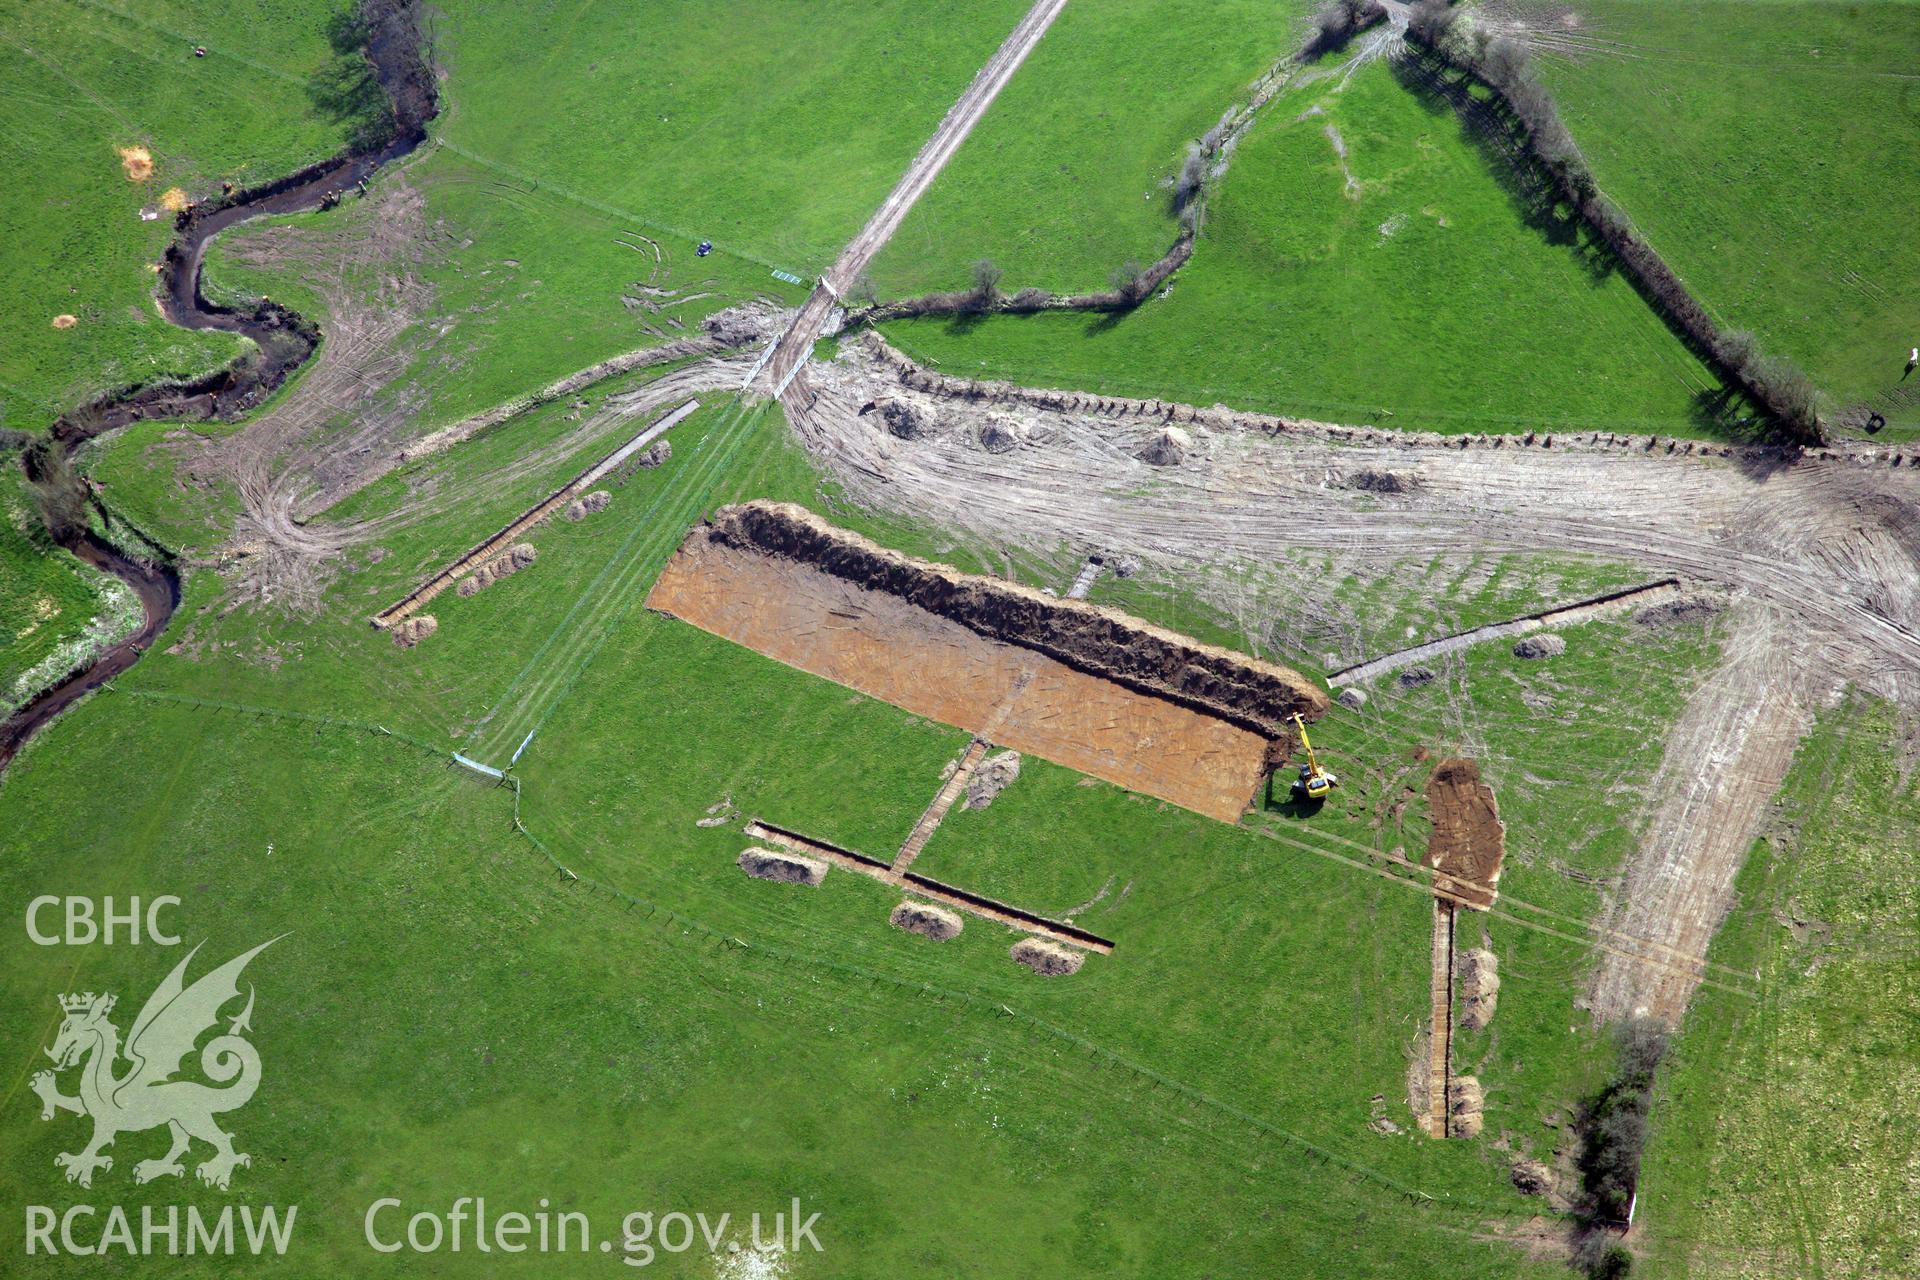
point(146, 1095)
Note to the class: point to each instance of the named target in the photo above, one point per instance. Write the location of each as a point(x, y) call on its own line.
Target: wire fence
point(784, 959)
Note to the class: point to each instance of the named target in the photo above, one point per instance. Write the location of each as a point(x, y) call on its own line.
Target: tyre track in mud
point(284, 340)
point(795, 346)
point(1817, 548)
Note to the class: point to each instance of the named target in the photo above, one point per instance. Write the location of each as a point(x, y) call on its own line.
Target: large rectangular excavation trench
point(1086, 687)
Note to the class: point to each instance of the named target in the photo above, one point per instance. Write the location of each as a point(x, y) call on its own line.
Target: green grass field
point(1755, 146)
point(81, 81)
point(565, 989)
point(1249, 1028)
point(435, 942)
point(639, 107)
point(1070, 173)
point(1782, 1141)
point(1316, 287)
point(402, 1024)
point(51, 606)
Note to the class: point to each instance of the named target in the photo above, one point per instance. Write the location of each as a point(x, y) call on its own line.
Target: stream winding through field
point(283, 341)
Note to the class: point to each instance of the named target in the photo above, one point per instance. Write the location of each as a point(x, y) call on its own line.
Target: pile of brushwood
point(1339, 22)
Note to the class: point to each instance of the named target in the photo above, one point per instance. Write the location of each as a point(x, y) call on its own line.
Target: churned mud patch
point(1168, 447)
point(783, 868)
point(138, 163)
point(762, 1262)
point(1531, 1177)
point(1466, 1104)
point(414, 630)
point(1468, 841)
point(1089, 688)
point(1373, 480)
point(995, 774)
point(1533, 648)
point(926, 920)
point(1674, 613)
point(1048, 959)
point(589, 504)
point(1479, 974)
point(719, 813)
point(505, 565)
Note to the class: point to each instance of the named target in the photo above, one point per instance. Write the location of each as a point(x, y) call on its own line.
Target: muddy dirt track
point(1816, 549)
point(797, 343)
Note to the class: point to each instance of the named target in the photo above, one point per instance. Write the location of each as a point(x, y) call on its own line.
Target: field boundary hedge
point(1519, 107)
point(1131, 283)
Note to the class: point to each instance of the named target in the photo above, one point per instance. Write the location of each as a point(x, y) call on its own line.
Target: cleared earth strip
point(1725, 760)
point(869, 348)
point(945, 894)
point(1560, 615)
point(1440, 1044)
point(942, 801)
point(532, 516)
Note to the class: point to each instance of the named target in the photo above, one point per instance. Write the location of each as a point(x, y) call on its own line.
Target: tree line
point(1775, 384)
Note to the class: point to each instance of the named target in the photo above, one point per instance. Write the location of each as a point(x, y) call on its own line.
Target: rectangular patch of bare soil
point(832, 604)
point(1468, 841)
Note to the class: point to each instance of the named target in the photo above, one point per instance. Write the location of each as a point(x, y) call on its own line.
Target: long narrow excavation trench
point(1440, 1035)
point(943, 800)
point(947, 895)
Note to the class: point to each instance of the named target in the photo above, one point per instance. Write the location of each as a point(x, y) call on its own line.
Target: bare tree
point(1338, 22)
point(59, 493)
point(1193, 170)
point(986, 278)
point(1430, 21)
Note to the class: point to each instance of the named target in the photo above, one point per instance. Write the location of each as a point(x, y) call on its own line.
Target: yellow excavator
point(1314, 782)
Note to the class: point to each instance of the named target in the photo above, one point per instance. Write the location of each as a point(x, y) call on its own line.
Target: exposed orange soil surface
point(889, 648)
